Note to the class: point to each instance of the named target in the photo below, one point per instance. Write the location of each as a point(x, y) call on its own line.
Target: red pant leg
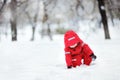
point(76, 60)
point(87, 59)
point(87, 50)
point(86, 54)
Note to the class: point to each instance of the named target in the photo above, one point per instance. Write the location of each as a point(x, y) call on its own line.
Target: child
point(76, 50)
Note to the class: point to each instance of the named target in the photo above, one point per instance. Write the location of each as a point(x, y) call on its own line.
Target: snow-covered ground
point(44, 59)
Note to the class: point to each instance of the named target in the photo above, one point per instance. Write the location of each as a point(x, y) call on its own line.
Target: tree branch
point(4, 2)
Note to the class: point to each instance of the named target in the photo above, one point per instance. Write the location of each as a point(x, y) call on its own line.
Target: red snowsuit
point(73, 56)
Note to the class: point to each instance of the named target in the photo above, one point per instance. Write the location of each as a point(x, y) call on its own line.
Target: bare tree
point(109, 3)
point(13, 20)
point(114, 7)
point(3, 4)
point(45, 19)
point(44, 31)
point(101, 6)
point(33, 19)
point(79, 4)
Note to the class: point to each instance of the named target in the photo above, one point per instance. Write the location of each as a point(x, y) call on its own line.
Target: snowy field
point(44, 59)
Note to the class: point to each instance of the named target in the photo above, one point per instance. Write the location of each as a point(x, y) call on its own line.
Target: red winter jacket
point(73, 56)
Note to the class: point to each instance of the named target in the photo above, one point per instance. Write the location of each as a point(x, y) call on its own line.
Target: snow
point(44, 59)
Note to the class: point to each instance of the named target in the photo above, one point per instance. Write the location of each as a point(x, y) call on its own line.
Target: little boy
point(76, 50)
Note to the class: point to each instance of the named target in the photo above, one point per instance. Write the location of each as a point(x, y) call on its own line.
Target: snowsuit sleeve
point(87, 50)
point(68, 57)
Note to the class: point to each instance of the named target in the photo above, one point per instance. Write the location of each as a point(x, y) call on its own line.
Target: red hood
point(71, 38)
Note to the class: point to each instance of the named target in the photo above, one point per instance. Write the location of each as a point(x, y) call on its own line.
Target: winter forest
point(49, 17)
point(32, 38)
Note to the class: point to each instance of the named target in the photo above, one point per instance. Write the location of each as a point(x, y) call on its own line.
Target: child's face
point(73, 46)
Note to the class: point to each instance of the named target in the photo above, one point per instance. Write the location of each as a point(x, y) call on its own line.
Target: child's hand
point(69, 67)
point(93, 57)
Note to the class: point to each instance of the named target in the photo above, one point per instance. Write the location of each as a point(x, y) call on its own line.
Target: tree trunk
point(13, 30)
point(33, 34)
point(101, 6)
point(13, 21)
point(4, 2)
point(49, 32)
